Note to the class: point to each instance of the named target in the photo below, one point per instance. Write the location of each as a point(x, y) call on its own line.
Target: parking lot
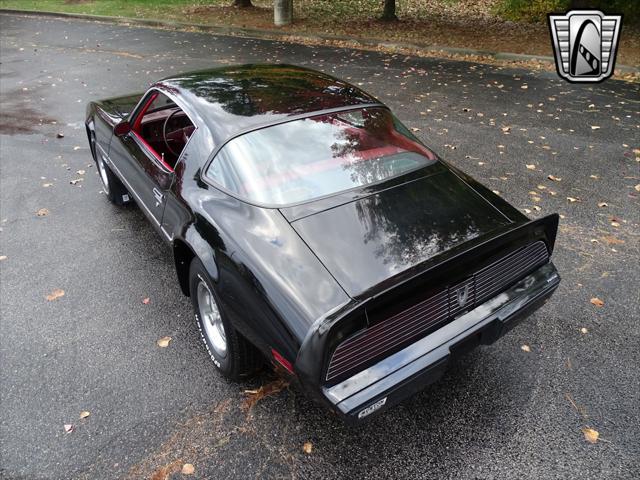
point(515, 409)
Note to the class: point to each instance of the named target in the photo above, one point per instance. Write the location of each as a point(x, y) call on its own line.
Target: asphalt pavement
point(516, 409)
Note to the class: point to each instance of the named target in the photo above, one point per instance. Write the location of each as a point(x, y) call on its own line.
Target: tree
point(389, 12)
point(242, 3)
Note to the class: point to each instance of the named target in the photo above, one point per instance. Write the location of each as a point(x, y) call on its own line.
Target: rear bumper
point(410, 370)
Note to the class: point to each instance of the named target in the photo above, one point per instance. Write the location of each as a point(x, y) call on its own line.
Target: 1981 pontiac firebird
point(311, 228)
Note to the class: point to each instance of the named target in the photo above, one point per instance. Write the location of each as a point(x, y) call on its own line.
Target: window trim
point(136, 119)
point(211, 182)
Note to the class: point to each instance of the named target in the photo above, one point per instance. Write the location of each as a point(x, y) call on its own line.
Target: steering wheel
point(166, 137)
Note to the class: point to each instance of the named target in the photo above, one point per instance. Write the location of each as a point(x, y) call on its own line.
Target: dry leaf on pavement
point(54, 295)
point(554, 178)
point(525, 348)
point(611, 240)
point(531, 167)
point(3, 257)
point(146, 301)
point(43, 212)
point(597, 302)
point(637, 187)
point(595, 127)
point(584, 330)
point(164, 342)
point(590, 435)
point(603, 204)
point(572, 199)
point(68, 428)
point(307, 447)
point(271, 388)
point(84, 414)
point(188, 469)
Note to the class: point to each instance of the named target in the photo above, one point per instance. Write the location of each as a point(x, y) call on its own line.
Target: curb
point(273, 34)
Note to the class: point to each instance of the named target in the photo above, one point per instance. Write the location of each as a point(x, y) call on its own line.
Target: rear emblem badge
point(463, 295)
point(372, 408)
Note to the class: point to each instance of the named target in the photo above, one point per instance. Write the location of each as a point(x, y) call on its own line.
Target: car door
point(145, 164)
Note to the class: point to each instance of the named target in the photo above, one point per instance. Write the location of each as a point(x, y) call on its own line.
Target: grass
point(478, 24)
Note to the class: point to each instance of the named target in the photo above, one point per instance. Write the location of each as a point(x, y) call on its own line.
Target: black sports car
point(312, 229)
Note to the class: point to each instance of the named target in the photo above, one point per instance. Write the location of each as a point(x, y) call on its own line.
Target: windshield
point(312, 157)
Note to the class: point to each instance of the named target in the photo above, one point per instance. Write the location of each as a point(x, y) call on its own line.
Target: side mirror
point(121, 129)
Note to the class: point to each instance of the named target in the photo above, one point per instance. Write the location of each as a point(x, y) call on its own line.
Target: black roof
point(232, 99)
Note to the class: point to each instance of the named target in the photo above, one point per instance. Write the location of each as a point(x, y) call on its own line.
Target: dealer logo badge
point(585, 44)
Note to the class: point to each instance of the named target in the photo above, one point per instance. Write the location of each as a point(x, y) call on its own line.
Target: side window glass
point(164, 128)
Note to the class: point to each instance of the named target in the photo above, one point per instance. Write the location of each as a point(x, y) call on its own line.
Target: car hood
point(369, 242)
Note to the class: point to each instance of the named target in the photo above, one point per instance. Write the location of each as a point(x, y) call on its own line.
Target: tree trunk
point(282, 12)
point(242, 3)
point(389, 12)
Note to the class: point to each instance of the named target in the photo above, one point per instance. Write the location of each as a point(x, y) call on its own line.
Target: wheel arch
point(187, 248)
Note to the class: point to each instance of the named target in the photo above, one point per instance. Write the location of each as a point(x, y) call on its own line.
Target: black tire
point(241, 358)
point(113, 188)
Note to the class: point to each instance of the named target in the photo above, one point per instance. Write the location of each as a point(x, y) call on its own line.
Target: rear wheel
point(113, 188)
point(230, 352)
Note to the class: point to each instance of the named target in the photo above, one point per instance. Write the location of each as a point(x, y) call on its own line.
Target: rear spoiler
point(465, 255)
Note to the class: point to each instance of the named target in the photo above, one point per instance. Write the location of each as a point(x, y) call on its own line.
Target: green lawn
point(123, 8)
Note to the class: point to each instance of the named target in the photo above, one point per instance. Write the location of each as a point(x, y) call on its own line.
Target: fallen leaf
point(307, 447)
point(46, 185)
point(526, 210)
point(584, 330)
point(595, 127)
point(81, 172)
point(75, 181)
point(84, 414)
point(68, 428)
point(597, 302)
point(77, 147)
point(506, 129)
point(3, 257)
point(590, 435)
point(541, 187)
point(595, 177)
point(57, 293)
point(496, 192)
point(637, 188)
point(43, 212)
point(615, 224)
point(525, 348)
point(524, 87)
point(188, 469)
point(164, 342)
point(603, 204)
point(60, 135)
point(271, 388)
point(537, 208)
point(146, 301)
point(572, 199)
point(554, 178)
point(611, 240)
point(531, 167)
point(414, 129)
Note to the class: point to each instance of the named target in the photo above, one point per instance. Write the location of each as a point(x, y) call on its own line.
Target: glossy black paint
point(301, 278)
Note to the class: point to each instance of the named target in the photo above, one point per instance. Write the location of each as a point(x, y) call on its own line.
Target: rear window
point(317, 156)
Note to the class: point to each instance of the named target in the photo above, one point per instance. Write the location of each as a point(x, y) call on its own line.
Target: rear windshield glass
point(317, 156)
